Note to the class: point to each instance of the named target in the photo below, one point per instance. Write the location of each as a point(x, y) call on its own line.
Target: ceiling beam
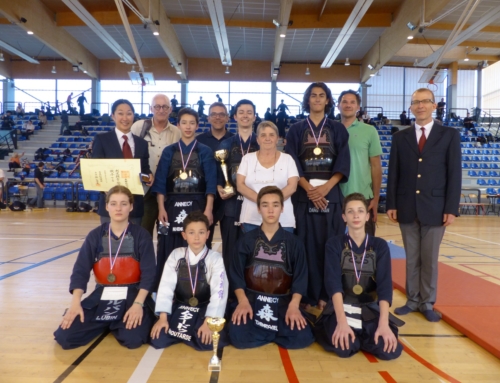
point(279, 38)
point(41, 21)
point(167, 37)
point(395, 37)
point(348, 29)
point(300, 21)
point(17, 52)
point(466, 43)
point(450, 26)
point(217, 18)
point(487, 19)
point(97, 28)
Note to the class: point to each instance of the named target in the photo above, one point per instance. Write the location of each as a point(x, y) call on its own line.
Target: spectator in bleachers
point(282, 107)
point(469, 124)
point(218, 118)
point(81, 103)
point(28, 129)
point(39, 184)
point(201, 106)
point(64, 122)
point(121, 143)
point(440, 109)
point(219, 99)
point(174, 104)
point(15, 162)
point(42, 117)
point(158, 133)
point(404, 119)
point(19, 110)
point(257, 121)
point(281, 122)
point(365, 175)
point(267, 115)
point(7, 121)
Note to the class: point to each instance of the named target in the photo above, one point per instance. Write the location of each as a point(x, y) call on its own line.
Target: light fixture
point(133, 69)
point(282, 35)
point(410, 37)
point(224, 61)
point(53, 70)
point(227, 70)
point(29, 32)
point(178, 71)
point(307, 71)
point(122, 60)
point(75, 68)
point(275, 22)
point(84, 71)
point(485, 64)
point(372, 74)
point(466, 58)
point(1, 57)
point(411, 26)
point(347, 63)
point(378, 74)
point(415, 63)
point(370, 66)
point(156, 33)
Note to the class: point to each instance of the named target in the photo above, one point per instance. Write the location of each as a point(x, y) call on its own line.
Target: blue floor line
point(37, 264)
point(41, 251)
point(397, 252)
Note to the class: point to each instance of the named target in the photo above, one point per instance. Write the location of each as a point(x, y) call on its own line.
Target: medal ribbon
point(249, 144)
point(312, 131)
point(184, 165)
point(111, 260)
point(358, 276)
point(193, 285)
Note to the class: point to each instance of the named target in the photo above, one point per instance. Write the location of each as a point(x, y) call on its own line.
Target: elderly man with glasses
point(159, 133)
point(218, 118)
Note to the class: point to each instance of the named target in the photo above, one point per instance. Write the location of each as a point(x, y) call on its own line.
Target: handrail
point(466, 111)
point(9, 143)
point(293, 98)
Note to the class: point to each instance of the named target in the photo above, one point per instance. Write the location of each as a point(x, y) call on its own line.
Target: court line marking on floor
point(146, 365)
point(287, 364)
point(429, 365)
point(81, 358)
point(5, 276)
point(466, 236)
point(371, 358)
point(40, 239)
point(433, 335)
point(387, 377)
point(40, 251)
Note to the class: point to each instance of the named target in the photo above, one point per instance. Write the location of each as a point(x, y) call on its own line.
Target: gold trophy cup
point(221, 155)
point(215, 325)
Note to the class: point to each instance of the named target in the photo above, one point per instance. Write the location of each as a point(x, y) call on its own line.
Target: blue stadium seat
point(464, 165)
point(75, 175)
point(70, 139)
point(472, 173)
point(481, 182)
point(73, 146)
point(493, 173)
point(495, 166)
point(385, 163)
point(48, 193)
point(54, 145)
point(485, 158)
point(94, 196)
point(61, 139)
point(59, 194)
point(481, 173)
point(492, 182)
point(484, 166)
point(491, 191)
point(474, 165)
point(64, 175)
point(83, 195)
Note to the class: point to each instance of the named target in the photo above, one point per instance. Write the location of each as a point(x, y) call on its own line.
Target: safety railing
point(102, 107)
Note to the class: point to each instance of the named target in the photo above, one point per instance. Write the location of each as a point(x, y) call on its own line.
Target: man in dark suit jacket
point(423, 195)
point(108, 145)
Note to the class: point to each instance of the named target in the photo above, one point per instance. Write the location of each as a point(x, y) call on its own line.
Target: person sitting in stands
point(19, 110)
point(358, 280)
point(15, 162)
point(404, 119)
point(269, 277)
point(469, 124)
point(193, 287)
point(122, 258)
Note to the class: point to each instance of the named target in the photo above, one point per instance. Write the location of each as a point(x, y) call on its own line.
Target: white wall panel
point(491, 88)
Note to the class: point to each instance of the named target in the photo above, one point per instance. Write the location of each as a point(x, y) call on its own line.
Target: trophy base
point(214, 365)
point(229, 189)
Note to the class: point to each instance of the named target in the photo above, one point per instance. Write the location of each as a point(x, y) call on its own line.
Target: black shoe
point(403, 310)
point(431, 315)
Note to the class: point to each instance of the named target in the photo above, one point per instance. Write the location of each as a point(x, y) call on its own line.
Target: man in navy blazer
point(110, 145)
point(423, 196)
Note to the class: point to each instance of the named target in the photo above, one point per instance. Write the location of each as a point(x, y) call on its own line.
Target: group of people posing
point(297, 229)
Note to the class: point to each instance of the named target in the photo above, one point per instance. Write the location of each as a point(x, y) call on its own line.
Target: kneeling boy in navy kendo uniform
point(193, 287)
point(122, 257)
point(358, 280)
point(269, 276)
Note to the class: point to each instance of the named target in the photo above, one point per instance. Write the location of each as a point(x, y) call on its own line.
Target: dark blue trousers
point(364, 339)
point(80, 334)
point(249, 335)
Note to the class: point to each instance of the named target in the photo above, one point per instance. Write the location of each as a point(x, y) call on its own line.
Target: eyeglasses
point(218, 115)
point(160, 107)
point(425, 102)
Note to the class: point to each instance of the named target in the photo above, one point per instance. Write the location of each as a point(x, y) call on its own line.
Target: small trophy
point(221, 155)
point(215, 325)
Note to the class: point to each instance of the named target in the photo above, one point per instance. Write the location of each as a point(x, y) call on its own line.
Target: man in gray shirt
point(159, 133)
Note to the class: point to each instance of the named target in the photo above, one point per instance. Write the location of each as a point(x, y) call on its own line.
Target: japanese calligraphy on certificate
point(103, 174)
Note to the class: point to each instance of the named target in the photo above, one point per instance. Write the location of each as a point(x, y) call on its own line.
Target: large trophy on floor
point(221, 155)
point(215, 325)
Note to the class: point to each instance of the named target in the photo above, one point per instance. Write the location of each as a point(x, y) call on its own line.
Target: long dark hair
point(307, 95)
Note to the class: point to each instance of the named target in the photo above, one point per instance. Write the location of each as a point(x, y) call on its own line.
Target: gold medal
point(183, 176)
point(317, 151)
point(193, 302)
point(111, 278)
point(357, 289)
